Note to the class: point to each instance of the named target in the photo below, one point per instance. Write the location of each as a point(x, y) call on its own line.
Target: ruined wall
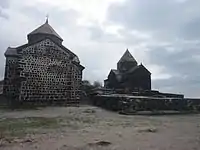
point(128, 104)
point(50, 75)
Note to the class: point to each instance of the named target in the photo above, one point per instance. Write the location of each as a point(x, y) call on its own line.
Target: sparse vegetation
point(93, 128)
point(21, 126)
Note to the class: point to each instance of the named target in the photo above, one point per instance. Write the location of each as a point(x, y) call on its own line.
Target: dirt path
point(89, 128)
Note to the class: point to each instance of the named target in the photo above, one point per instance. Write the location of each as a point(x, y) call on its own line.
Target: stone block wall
point(44, 73)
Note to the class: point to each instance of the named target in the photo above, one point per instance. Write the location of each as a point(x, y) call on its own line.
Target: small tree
point(86, 86)
point(86, 83)
point(97, 84)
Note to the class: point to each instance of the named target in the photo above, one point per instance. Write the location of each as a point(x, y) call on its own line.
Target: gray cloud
point(174, 22)
point(57, 16)
point(3, 15)
point(4, 3)
point(187, 86)
point(165, 19)
point(191, 29)
point(184, 60)
point(183, 65)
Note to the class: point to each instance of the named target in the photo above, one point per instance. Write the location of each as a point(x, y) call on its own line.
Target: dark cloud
point(182, 60)
point(183, 65)
point(165, 19)
point(142, 14)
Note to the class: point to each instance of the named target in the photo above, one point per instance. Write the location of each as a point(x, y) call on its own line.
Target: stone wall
point(128, 104)
point(47, 73)
point(11, 78)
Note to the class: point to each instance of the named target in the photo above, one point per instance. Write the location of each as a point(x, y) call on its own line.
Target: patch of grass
point(77, 122)
point(21, 126)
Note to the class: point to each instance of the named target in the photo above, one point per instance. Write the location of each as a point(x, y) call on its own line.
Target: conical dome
point(127, 57)
point(44, 30)
point(126, 62)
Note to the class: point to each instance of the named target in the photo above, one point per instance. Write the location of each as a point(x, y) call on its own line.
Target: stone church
point(129, 75)
point(43, 70)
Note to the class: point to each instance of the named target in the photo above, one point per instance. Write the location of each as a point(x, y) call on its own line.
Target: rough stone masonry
point(43, 70)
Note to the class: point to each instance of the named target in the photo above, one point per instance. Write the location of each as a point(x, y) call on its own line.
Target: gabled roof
point(61, 46)
point(139, 67)
point(11, 52)
point(74, 60)
point(117, 74)
point(45, 29)
point(127, 57)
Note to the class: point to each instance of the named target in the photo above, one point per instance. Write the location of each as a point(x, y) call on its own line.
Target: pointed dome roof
point(127, 57)
point(45, 29)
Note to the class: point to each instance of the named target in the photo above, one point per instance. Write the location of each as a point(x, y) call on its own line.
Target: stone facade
point(129, 75)
point(43, 70)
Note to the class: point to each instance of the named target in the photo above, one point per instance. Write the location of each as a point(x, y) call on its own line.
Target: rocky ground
point(91, 128)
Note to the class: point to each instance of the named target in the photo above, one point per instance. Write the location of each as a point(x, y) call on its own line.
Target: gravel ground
point(92, 128)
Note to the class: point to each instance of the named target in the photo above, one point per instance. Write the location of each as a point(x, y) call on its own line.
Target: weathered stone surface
point(44, 72)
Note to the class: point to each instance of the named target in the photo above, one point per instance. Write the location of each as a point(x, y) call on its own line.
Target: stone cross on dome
point(47, 18)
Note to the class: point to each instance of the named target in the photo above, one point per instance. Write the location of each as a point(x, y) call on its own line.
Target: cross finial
point(47, 18)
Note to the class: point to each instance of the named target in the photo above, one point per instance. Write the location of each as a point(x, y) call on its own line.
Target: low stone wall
point(141, 103)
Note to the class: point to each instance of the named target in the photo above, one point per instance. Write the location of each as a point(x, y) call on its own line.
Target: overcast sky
point(162, 34)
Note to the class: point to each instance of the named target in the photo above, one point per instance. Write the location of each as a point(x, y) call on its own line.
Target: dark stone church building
point(43, 70)
point(129, 75)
